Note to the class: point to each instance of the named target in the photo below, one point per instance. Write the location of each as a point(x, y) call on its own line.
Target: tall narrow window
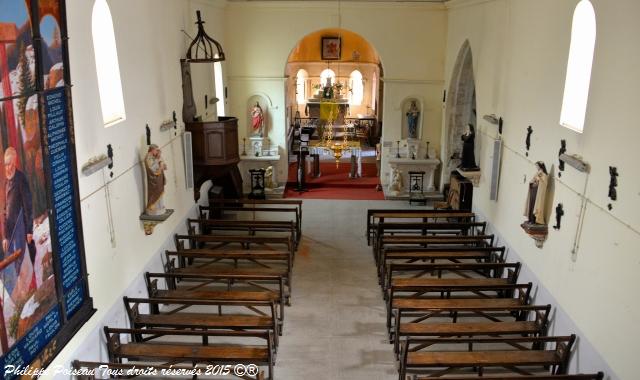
point(357, 88)
point(576, 87)
point(219, 81)
point(107, 68)
point(301, 86)
point(374, 91)
point(327, 73)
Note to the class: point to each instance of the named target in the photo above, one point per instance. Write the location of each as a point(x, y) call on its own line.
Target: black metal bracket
point(613, 183)
point(110, 155)
point(563, 150)
point(528, 140)
point(148, 134)
point(559, 215)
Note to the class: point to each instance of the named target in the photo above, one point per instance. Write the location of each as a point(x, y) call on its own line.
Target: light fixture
point(202, 46)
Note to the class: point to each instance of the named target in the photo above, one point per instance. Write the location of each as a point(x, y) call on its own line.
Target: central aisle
point(335, 328)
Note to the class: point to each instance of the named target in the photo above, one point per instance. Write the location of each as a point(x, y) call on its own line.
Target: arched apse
point(355, 73)
point(460, 108)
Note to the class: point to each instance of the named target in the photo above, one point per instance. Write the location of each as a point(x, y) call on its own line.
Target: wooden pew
point(222, 203)
point(427, 241)
point(495, 326)
point(203, 257)
point(430, 307)
point(251, 227)
point(452, 254)
point(375, 216)
point(198, 292)
point(418, 287)
point(230, 274)
point(494, 270)
point(591, 376)
point(174, 316)
point(98, 370)
point(408, 229)
point(294, 212)
point(174, 352)
point(414, 360)
point(211, 241)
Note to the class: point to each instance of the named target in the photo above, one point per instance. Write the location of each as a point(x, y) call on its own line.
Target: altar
point(405, 165)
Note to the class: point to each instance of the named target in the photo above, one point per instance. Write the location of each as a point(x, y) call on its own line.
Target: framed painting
point(331, 48)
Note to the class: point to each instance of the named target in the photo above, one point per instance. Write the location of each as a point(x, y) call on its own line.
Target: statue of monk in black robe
point(468, 150)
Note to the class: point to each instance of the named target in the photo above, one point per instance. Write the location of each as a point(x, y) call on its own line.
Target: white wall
point(410, 39)
point(520, 50)
point(150, 46)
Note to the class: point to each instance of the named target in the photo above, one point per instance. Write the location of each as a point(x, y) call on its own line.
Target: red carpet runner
point(336, 184)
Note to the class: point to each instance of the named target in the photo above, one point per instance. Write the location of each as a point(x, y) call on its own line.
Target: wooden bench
point(294, 212)
point(413, 360)
point(495, 326)
point(99, 370)
point(173, 315)
point(222, 203)
point(230, 274)
point(426, 308)
point(203, 257)
point(493, 270)
point(428, 228)
point(211, 241)
point(199, 292)
point(426, 241)
point(374, 216)
point(452, 254)
point(175, 352)
point(251, 227)
point(592, 376)
point(419, 287)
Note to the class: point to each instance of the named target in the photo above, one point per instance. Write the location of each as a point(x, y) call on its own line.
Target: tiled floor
point(335, 328)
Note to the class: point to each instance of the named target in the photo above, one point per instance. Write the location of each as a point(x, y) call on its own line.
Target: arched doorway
point(334, 93)
point(461, 108)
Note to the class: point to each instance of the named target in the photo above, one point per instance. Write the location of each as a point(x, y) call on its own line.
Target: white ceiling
point(357, 1)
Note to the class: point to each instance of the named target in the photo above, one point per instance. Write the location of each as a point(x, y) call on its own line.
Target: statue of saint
point(395, 187)
point(412, 120)
point(257, 120)
point(468, 150)
point(155, 167)
point(534, 207)
point(268, 178)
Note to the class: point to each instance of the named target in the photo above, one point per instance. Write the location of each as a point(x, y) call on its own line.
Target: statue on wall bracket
point(155, 211)
point(534, 209)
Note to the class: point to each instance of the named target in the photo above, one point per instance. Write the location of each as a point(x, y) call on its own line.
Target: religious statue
point(327, 91)
point(268, 178)
point(468, 150)
point(412, 120)
point(534, 207)
point(395, 187)
point(257, 120)
point(154, 166)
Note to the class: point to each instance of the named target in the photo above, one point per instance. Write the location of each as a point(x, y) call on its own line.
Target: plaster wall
point(520, 51)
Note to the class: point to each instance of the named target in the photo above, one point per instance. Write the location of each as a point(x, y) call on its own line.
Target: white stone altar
point(249, 162)
point(406, 165)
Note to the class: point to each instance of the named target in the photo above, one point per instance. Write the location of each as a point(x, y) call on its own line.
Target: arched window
point(301, 86)
point(374, 91)
point(357, 88)
point(219, 83)
point(107, 68)
point(576, 86)
point(327, 73)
